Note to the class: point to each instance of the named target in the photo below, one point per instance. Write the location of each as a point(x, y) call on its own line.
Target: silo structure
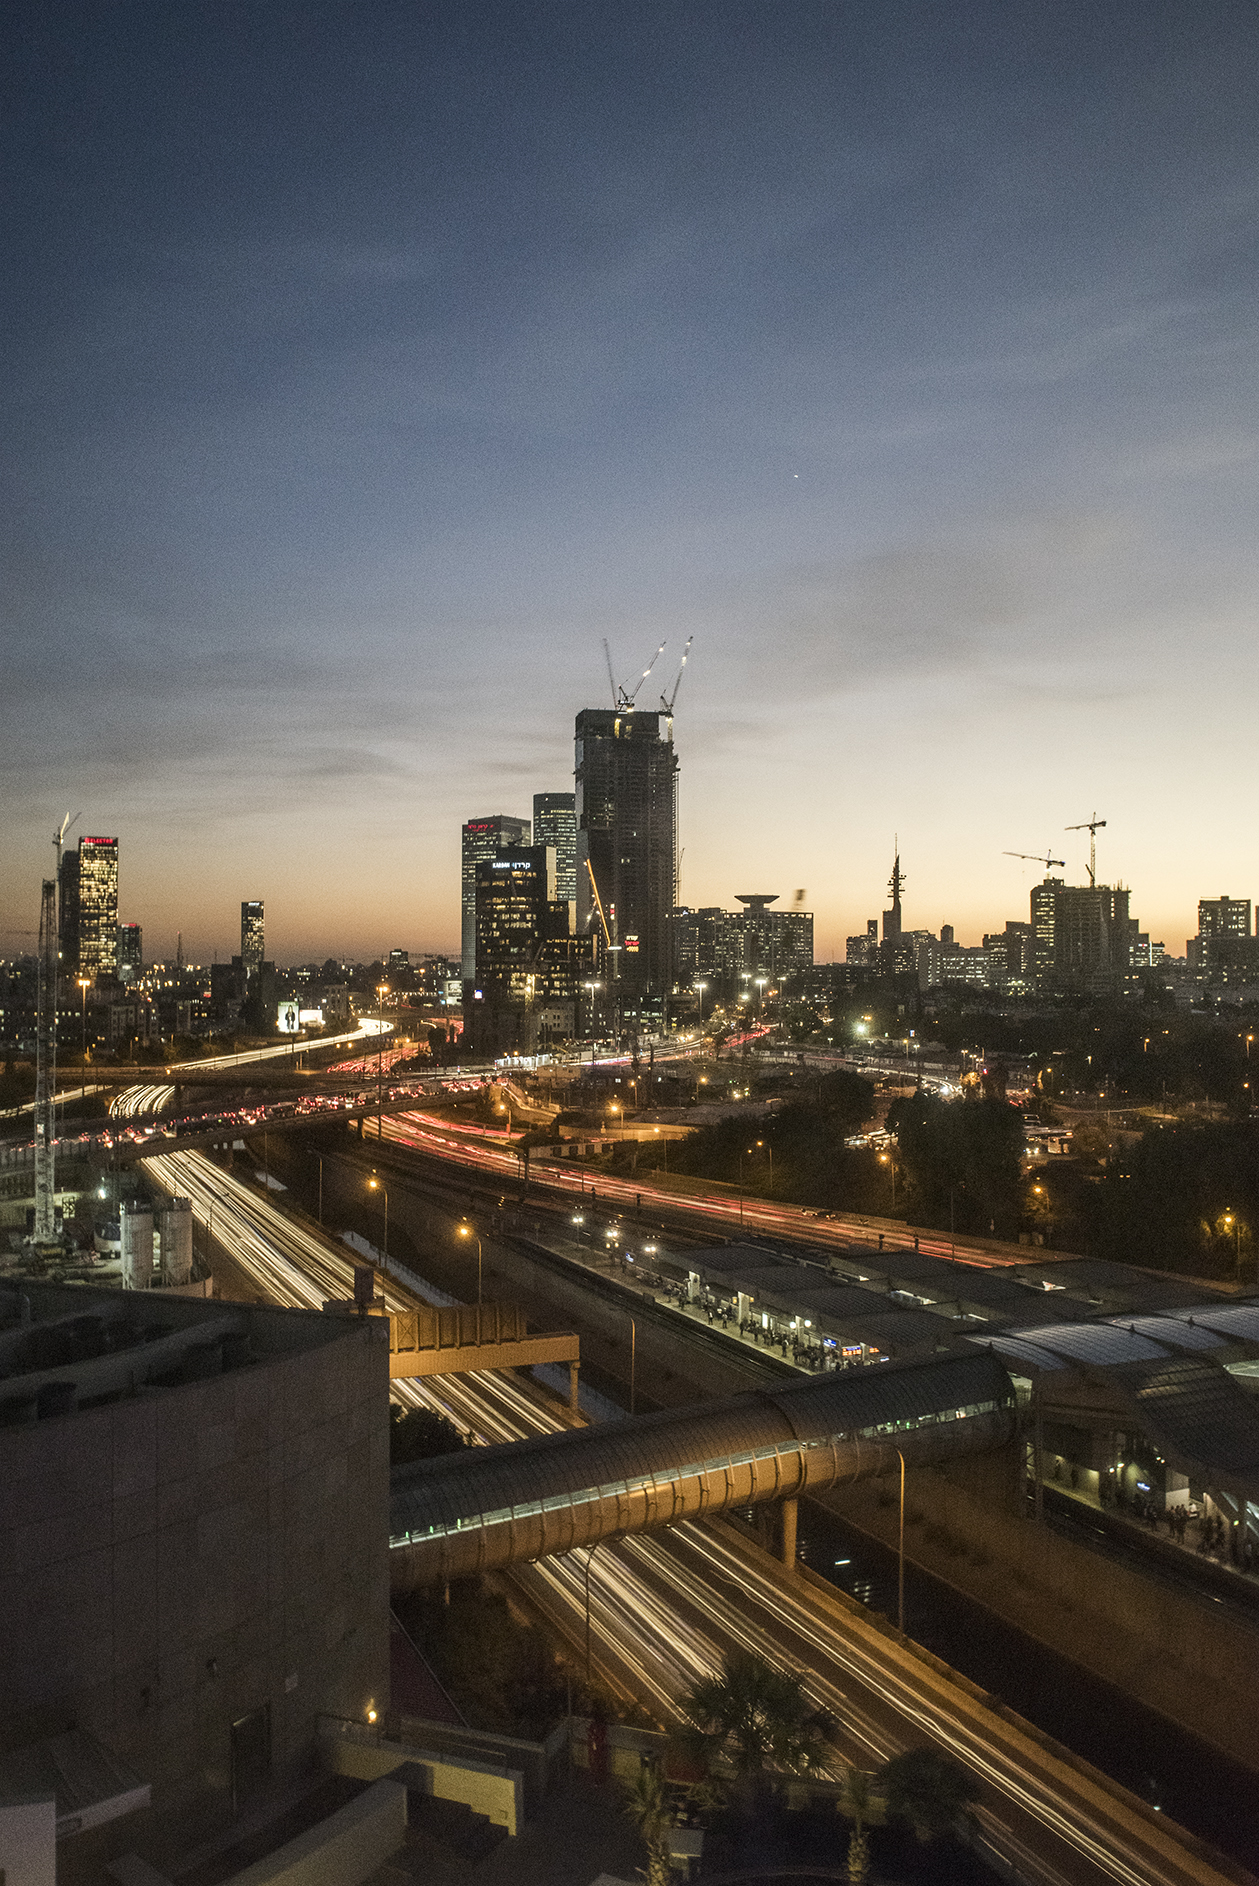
point(137, 1245)
point(177, 1242)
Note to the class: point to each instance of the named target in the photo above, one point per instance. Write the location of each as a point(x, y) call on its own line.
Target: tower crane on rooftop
point(1092, 826)
point(667, 700)
point(622, 700)
point(1038, 857)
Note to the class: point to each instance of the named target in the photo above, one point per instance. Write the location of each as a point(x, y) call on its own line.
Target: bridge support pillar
point(574, 1369)
point(789, 1515)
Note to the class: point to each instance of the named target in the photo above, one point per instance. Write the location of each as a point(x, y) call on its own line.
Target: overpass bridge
point(468, 1513)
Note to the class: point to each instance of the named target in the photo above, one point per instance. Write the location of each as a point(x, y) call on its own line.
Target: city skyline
point(900, 360)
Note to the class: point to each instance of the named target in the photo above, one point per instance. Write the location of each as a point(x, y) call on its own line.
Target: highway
point(493, 1152)
point(663, 1608)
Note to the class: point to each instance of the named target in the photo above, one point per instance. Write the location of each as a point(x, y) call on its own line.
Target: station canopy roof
point(1173, 1332)
point(716, 1259)
point(1021, 1353)
point(1106, 1287)
point(1204, 1421)
point(1100, 1344)
point(1238, 1321)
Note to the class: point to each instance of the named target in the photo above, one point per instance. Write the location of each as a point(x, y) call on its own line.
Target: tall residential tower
point(98, 907)
point(252, 941)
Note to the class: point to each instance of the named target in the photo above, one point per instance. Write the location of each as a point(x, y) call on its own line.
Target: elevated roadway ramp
point(462, 1515)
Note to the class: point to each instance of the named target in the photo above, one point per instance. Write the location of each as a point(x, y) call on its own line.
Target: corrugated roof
point(1026, 1354)
point(1238, 1320)
point(1172, 1330)
point(1103, 1344)
point(1202, 1418)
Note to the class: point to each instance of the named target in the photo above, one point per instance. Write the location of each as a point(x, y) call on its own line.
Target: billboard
point(286, 1018)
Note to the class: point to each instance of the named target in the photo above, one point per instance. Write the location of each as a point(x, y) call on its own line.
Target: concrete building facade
point(192, 1539)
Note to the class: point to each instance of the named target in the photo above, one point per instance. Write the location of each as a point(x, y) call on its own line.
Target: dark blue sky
point(367, 364)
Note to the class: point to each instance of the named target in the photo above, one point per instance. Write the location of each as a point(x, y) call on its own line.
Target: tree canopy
point(960, 1160)
point(756, 1716)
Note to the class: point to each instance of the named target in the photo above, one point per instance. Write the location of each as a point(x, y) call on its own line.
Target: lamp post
point(761, 982)
point(465, 1230)
point(378, 1185)
point(1234, 1224)
point(769, 1154)
point(321, 1191)
point(633, 1358)
point(84, 985)
point(589, 1556)
point(900, 1555)
point(700, 988)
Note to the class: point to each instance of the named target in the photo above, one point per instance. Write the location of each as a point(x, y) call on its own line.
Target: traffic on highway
point(659, 1611)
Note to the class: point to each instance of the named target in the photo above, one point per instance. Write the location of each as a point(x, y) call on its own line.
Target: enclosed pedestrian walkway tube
point(472, 1512)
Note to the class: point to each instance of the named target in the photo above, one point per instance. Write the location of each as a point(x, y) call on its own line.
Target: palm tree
point(647, 1806)
point(754, 1715)
point(860, 1804)
point(928, 1790)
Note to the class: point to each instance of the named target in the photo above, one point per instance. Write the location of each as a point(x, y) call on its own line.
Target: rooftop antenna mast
point(1092, 826)
point(1037, 857)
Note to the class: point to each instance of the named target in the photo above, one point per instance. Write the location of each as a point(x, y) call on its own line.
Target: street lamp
point(633, 1358)
point(900, 1556)
point(769, 1154)
point(1234, 1224)
point(761, 982)
point(378, 1185)
point(465, 1230)
point(84, 985)
point(700, 988)
point(614, 1108)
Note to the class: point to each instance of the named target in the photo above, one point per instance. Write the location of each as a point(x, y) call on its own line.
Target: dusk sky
point(366, 365)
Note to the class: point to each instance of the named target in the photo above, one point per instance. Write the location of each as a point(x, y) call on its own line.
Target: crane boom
point(666, 701)
point(1037, 857)
point(607, 939)
point(1092, 826)
point(622, 700)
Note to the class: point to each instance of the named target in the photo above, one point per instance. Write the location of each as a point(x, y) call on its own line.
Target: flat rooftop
point(64, 1347)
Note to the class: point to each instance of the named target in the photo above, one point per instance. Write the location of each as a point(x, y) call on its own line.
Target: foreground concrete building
point(193, 1553)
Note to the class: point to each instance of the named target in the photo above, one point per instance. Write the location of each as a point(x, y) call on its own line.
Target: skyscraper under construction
point(626, 790)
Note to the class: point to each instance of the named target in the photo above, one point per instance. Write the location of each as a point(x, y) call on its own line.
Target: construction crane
point(46, 1049)
point(46, 1066)
point(667, 700)
point(622, 699)
point(1092, 826)
point(1037, 857)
